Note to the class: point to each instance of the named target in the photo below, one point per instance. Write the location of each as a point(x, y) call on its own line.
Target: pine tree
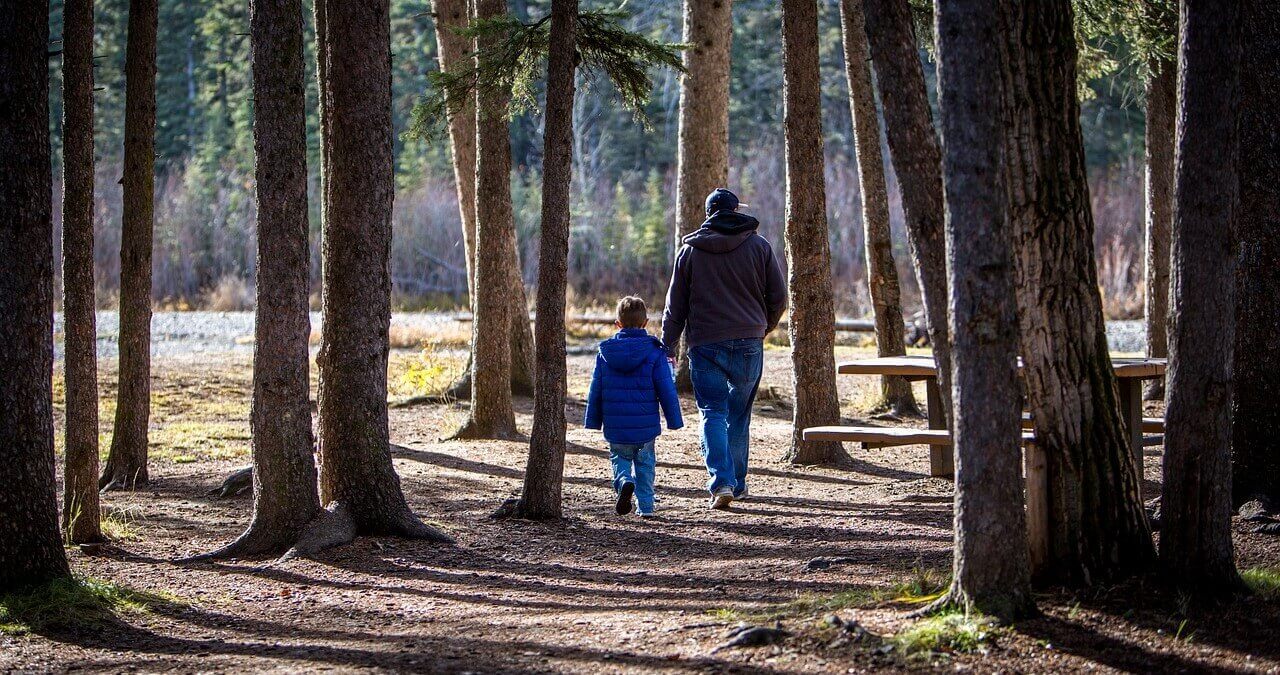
point(917, 161)
point(30, 547)
point(882, 274)
point(1255, 448)
point(991, 572)
point(1195, 534)
point(81, 513)
point(126, 466)
point(544, 473)
point(1097, 527)
point(703, 145)
point(812, 312)
point(285, 497)
point(358, 483)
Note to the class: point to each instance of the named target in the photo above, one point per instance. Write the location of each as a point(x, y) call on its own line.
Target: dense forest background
point(624, 182)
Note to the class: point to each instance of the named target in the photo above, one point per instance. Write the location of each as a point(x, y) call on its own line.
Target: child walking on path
point(632, 380)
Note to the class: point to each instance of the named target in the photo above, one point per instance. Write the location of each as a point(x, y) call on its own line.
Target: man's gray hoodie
point(726, 284)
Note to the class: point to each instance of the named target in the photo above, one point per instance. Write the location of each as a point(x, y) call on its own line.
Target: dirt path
point(596, 592)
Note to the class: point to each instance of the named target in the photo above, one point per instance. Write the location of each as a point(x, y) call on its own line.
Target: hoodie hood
point(629, 349)
point(722, 232)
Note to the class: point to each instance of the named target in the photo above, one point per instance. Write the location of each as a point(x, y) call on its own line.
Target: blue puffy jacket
point(632, 377)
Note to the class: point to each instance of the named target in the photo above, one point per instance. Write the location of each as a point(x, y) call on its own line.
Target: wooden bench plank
point(887, 436)
point(1150, 425)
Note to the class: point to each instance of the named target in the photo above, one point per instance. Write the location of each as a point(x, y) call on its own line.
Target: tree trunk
point(491, 413)
point(81, 514)
point(455, 54)
point(544, 474)
point(455, 50)
point(126, 466)
point(356, 473)
point(30, 546)
point(812, 319)
point(882, 275)
point(1255, 446)
point(1097, 528)
point(917, 160)
point(285, 498)
point(991, 570)
point(1195, 532)
point(1162, 107)
point(703, 146)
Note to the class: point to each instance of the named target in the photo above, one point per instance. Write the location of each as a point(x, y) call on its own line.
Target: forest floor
point(866, 541)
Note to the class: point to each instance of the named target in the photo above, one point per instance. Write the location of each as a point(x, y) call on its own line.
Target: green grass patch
point(1265, 581)
point(925, 584)
point(78, 601)
point(947, 633)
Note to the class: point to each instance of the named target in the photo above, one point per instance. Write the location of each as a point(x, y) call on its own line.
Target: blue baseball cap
point(721, 199)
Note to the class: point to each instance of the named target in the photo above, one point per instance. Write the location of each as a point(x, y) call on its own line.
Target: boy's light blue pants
point(634, 464)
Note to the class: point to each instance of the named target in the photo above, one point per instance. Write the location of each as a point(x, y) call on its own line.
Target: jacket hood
point(629, 349)
point(722, 232)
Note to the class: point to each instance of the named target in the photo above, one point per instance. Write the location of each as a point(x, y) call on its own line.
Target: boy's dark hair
point(632, 313)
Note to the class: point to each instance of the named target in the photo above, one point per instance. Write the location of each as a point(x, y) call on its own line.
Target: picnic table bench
point(1130, 372)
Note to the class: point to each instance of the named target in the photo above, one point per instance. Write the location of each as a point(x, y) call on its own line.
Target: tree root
point(235, 484)
point(471, 431)
point(332, 526)
point(514, 508)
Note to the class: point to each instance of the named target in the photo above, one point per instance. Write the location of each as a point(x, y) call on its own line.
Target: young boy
point(631, 381)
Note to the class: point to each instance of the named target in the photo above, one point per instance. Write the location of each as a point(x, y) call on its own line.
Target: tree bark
point(491, 413)
point(917, 160)
point(285, 497)
point(1195, 532)
point(455, 51)
point(544, 475)
point(455, 54)
point(882, 274)
point(1255, 446)
point(30, 545)
point(1097, 527)
point(812, 318)
point(126, 466)
point(991, 570)
point(1162, 107)
point(81, 512)
point(703, 146)
point(356, 474)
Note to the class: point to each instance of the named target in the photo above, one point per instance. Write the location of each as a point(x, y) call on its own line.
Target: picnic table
point(1130, 373)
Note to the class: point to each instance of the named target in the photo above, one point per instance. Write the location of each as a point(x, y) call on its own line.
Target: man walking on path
point(726, 294)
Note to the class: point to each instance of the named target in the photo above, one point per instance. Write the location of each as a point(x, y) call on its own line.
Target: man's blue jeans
point(725, 377)
point(634, 464)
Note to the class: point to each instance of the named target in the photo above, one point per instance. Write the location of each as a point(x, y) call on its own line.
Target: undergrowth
point(1264, 581)
point(947, 633)
point(74, 602)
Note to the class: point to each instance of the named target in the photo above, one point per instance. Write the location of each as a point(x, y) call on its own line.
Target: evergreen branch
point(513, 64)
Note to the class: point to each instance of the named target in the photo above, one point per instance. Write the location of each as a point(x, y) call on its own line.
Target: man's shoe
point(623, 507)
point(721, 500)
point(745, 494)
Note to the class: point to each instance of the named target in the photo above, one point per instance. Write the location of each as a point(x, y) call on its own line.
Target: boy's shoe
point(623, 507)
point(720, 501)
point(646, 514)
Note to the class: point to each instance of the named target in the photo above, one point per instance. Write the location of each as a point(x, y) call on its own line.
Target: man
point(726, 294)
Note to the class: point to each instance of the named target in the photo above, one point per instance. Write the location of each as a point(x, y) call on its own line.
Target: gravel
point(220, 333)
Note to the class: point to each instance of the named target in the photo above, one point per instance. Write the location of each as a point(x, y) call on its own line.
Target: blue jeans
point(634, 464)
point(725, 377)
